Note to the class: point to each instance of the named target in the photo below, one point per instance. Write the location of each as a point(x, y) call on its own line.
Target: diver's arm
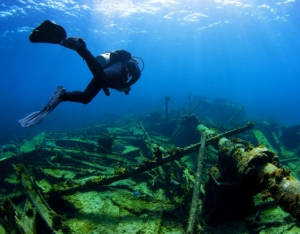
point(134, 71)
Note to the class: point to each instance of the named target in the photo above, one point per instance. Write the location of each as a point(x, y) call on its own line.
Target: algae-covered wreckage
point(179, 174)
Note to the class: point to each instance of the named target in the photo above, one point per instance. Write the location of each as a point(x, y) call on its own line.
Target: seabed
point(59, 182)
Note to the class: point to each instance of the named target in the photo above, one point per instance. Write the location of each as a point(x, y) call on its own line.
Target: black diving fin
point(48, 32)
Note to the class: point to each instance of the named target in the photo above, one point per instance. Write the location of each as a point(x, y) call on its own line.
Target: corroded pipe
point(235, 115)
point(259, 171)
point(147, 165)
point(196, 192)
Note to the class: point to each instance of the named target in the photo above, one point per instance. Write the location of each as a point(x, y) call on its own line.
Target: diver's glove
point(124, 89)
point(106, 91)
point(127, 90)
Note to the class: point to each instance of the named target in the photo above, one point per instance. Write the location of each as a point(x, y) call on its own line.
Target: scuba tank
point(113, 57)
point(103, 59)
point(116, 56)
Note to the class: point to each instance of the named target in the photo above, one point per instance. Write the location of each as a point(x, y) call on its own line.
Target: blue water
point(246, 52)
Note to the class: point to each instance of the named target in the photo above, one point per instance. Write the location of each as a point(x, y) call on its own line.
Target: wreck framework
point(159, 165)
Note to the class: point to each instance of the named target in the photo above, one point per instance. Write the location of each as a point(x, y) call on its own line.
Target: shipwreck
point(168, 172)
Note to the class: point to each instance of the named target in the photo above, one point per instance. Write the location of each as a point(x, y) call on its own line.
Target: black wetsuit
point(112, 76)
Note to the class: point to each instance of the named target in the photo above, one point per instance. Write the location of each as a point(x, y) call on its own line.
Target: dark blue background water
point(244, 51)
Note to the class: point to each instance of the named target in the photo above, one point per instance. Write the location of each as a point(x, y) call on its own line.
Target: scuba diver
point(116, 70)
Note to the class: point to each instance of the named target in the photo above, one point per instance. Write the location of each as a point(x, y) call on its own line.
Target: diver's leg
point(93, 64)
point(49, 32)
point(60, 95)
point(78, 44)
point(87, 95)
